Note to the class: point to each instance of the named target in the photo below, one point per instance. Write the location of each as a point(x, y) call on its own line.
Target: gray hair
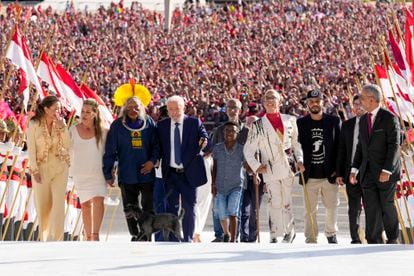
point(374, 90)
point(142, 113)
point(235, 101)
point(176, 99)
point(277, 94)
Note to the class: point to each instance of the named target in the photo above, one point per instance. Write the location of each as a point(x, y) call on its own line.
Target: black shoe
point(273, 240)
point(226, 238)
point(134, 238)
point(288, 238)
point(392, 241)
point(332, 239)
point(356, 242)
point(217, 239)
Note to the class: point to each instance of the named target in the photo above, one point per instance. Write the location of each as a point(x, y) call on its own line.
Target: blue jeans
point(228, 205)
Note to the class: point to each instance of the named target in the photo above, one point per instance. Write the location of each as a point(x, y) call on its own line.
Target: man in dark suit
point(181, 138)
point(319, 136)
point(377, 161)
point(346, 150)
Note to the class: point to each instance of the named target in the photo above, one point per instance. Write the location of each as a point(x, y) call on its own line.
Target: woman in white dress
point(88, 144)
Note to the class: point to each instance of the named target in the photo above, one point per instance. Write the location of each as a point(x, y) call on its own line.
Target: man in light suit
point(275, 135)
point(346, 150)
point(181, 138)
point(377, 161)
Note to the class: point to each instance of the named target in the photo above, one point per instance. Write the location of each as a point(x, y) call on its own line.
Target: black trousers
point(248, 225)
point(380, 211)
point(355, 196)
point(130, 194)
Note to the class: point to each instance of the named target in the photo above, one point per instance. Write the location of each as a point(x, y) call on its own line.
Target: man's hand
point(262, 169)
point(352, 179)
point(110, 182)
point(202, 143)
point(384, 177)
point(300, 167)
point(147, 167)
point(339, 181)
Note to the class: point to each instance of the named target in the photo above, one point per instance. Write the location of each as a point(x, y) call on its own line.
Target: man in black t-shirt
point(318, 135)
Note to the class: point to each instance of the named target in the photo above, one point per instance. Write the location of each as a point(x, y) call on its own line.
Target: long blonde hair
point(97, 121)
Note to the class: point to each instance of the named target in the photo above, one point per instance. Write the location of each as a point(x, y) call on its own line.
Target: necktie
point(177, 145)
point(369, 124)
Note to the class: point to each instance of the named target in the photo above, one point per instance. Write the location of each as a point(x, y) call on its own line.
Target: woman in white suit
point(275, 135)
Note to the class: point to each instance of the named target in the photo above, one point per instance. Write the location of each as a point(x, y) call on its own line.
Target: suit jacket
point(380, 151)
point(193, 131)
point(346, 141)
point(330, 140)
point(263, 137)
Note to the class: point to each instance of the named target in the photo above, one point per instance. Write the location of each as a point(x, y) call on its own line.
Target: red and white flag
point(19, 54)
point(24, 88)
point(61, 83)
point(106, 114)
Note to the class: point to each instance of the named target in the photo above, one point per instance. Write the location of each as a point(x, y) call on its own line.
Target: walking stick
point(24, 212)
point(256, 189)
point(112, 219)
point(307, 205)
point(22, 177)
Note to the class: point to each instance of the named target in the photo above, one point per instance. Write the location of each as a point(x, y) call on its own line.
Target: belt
point(176, 170)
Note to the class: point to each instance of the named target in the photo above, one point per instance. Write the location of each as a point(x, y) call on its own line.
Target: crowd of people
point(212, 53)
point(225, 64)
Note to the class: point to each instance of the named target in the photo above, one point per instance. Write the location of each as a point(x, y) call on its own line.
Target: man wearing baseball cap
point(318, 135)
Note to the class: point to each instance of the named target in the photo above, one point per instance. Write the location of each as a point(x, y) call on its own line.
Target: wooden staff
point(256, 189)
point(24, 212)
point(76, 225)
point(22, 177)
point(401, 221)
point(33, 227)
point(112, 218)
point(307, 205)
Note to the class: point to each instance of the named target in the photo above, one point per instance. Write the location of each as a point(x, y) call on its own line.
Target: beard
point(315, 110)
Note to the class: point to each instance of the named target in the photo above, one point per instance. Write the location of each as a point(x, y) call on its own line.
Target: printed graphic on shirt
point(136, 139)
point(318, 148)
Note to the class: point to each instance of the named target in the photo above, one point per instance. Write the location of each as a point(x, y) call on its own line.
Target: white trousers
point(280, 206)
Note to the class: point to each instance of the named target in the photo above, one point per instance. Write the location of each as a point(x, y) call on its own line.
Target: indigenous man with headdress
point(132, 141)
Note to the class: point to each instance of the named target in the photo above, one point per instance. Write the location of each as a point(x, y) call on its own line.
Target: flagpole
point(22, 177)
point(24, 212)
point(385, 58)
point(33, 227)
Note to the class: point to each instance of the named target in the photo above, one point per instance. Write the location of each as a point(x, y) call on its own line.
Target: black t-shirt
point(318, 150)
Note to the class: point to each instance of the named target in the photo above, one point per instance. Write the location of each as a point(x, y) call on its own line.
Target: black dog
point(150, 223)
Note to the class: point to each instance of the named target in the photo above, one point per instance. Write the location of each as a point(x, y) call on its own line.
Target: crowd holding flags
point(18, 218)
point(397, 83)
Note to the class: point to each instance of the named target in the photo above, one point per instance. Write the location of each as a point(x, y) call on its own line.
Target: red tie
point(369, 123)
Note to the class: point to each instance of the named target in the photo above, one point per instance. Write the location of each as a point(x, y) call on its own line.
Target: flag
point(61, 83)
point(24, 88)
point(383, 80)
point(19, 54)
point(106, 114)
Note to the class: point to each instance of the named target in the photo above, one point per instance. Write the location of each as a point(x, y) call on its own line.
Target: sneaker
point(134, 238)
point(332, 239)
point(288, 238)
point(273, 240)
point(217, 239)
point(226, 238)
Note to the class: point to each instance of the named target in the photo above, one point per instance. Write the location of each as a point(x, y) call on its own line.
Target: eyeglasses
point(271, 98)
point(232, 108)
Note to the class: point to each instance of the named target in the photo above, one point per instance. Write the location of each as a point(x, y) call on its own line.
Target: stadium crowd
point(211, 53)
